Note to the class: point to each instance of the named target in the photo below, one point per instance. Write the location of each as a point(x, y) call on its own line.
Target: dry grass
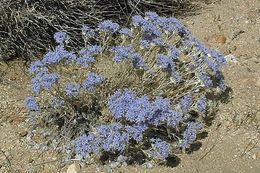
point(26, 27)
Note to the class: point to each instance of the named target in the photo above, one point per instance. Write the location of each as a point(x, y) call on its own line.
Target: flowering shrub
point(146, 88)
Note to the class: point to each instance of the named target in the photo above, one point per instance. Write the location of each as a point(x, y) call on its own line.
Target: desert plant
point(144, 89)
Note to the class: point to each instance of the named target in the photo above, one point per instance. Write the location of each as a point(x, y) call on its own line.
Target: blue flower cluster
point(176, 73)
point(141, 113)
point(32, 104)
point(122, 52)
point(139, 110)
point(108, 26)
point(190, 134)
point(202, 104)
point(92, 80)
point(44, 80)
point(60, 37)
point(114, 138)
point(186, 103)
point(161, 149)
point(126, 32)
point(58, 55)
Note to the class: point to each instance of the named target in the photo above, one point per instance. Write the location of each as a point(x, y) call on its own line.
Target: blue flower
point(48, 79)
point(137, 20)
point(91, 50)
point(212, 64)
point(139, 110)
point(94, 49)
point(36, 67)
point(145, 43)
point(160, 110)
point(162, 149)
point(60, 37)
point(186, 103)
point(116, 141)
point(167, 64)
point(206, 80)
point(201, 104)
point(146, 26)
point(166, 24)
point(54, 57)
point(190, 134)
point(113, 137)
point(88, 32)
point(108, 26)
point(174, 118)
point(150, 28)
point(92, 80)
point(120, 102)
point(136, 131)
point(31, 104)
point(138, 61)
point(85, 61)
point(87, 144)
point(36, 86)
point(153, 16)
point(180, 27)
point(174, 53)
point(126, 32)
point(122, 52)
point(200, 47)
point(221, 81)
point(72, 89)
point(44, 80)
point(158, 41)
point(219, 57)
point(164, 61)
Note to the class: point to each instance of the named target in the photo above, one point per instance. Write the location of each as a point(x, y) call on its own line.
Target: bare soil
point(233, 141)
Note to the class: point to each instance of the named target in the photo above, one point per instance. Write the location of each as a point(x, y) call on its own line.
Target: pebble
point(220, 39)
point(73, 168)
point(148, 165)
point(231, 58)
point(23, 134)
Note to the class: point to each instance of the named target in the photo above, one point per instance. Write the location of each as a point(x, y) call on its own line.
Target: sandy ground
point(233, 141)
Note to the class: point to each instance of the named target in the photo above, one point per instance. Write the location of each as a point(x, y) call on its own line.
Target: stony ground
point(233, 141)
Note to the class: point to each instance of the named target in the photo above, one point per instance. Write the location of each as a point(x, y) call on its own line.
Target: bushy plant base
point(146, 90)
point(27, 26)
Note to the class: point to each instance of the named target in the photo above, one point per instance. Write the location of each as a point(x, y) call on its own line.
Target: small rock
point(231, 58)
point(73, 168)
point(23, 134)
point(220, 39)
point(148, 165)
